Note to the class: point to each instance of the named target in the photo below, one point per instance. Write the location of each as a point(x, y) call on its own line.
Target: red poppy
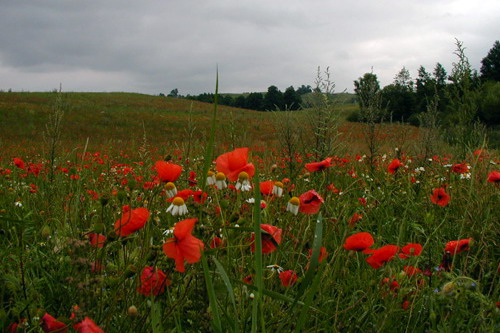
point(131, 221)
point(153, 282)
point(199, 196)
point(87, 325)
point(410, 249)
point(354, 219)
point(168, 172)
point(184, 194)
point(319, 166)
point(394, 166)
point(322, 254)
point(96, 240)
point(266, 188)
point(359, 242)
point(248, 279)
point(234, 162)
point(192, 179)
point(458, 246)
point(494, 177)
point(183, 246)
point(288, 278)
point(310, 202)
point(271, 238)
point(51, 324)
point(411, 271)
point(216, 243)
point(382, 255)
point(440, 197)
point(18, 162)
point(460, 168)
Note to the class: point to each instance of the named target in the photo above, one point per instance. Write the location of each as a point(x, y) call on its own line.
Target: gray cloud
point(152, 46)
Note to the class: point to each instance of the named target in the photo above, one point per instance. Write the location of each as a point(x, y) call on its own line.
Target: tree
point(425, 89)
point(254, 101)
point(292, 99)
point(273, 99)
point(240, 102)
point(399, 97)
point(365, 87)
point(174, 93)
point(439, 75)
point(302, 90)
point(490, 68)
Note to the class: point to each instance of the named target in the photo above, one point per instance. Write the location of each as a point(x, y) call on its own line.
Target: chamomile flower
point(220, 180)
point(178, 207)
point(278, 189)
point(243, 183)
point(170, 190)
point(293, 205)
point(211, 179)
point(275, 268)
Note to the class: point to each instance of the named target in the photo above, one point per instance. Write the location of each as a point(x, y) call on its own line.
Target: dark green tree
point(303, 89)
point(254, 101)
point(240, 102)
point(425, 89)
point(292, 99)
point(174, 93)
point(274, 99)
point(490, 65)
point(399, 97)
point(365, 86)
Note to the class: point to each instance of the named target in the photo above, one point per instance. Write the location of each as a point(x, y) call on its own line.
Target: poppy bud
point(45, 232)
point(132, 311)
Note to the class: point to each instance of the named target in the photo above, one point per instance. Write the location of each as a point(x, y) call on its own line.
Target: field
point(115, 217)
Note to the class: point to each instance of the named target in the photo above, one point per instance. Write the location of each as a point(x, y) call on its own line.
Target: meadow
point(134, 213)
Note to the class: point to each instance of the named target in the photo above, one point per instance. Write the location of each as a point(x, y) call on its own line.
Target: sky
point(154, 47)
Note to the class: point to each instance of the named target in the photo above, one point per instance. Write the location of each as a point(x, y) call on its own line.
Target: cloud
point(153, 47)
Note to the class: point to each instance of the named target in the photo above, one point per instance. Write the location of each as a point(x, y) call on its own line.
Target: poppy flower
point(494, 177)
point(319, 166)
point(322, 254)
point(87, 325)
point(411, 271)
point(216, 243)
point(460, 168)
point(248, 279)
point(131, 221)
point(234, 162)
point(310, 202)
point(51, 324)
point(410, 249)
point(359, 242)
point(266, 188)
point(354, 219)
point(153, 282)
point(192, 179)
point(168, 172)
point(18, 162)
point(96, 240)
point(184, 194)
point(440, 197)
point(200, 196)
point(183, 246)
point(288, 278)
point(382, 255)
point(394, 166)
point(458, 246)
point(271, 238)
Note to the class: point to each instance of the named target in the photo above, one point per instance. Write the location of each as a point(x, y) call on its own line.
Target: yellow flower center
point(220, 176)
point(243, 176)
point(178, 201)
point(210, 173)
point(278, 184)
point(169, 186)
point(294, 201)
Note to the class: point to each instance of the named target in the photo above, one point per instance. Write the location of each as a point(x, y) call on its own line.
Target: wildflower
point(362, 201)
point(153, 282)
point(192, 179)
point(354, 219)
point(199, 196)
point(211, 178)
point(494, 177)
point(243, 182)
point(359, 242)
point(235, 162)
point(310, 202)
point(131, 221)
point(275, 268)
point(293, 205)
point(220, 181)
point(271, 238)
point(458, 246)
point(266, 188)
point(322, 254)
point(87, 325)
point(51, 324)
point(394, 166)
point(440, 197)
point(319, 166)
point(216, 243)
point(96, 240)
point(183, 246)
point(460, 168)
point(178, 207)
point(382, 255)
point(248, 279)
point(168, 172)
point(288, 278)
point(411, 271)
point(410, 249)
point(170, 190)
point(277, 189)
point(18, 162)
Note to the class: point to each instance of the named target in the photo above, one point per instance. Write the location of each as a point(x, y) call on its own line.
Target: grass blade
point(211, 295)
point(229, 288)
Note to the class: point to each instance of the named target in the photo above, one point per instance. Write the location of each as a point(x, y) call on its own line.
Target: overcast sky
point(155, 46)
